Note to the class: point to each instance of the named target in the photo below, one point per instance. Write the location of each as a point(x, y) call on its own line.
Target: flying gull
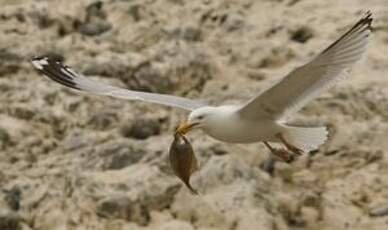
point(262, 118)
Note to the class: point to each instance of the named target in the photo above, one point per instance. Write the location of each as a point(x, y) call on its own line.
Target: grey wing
point(67, 77)
point(305, 83)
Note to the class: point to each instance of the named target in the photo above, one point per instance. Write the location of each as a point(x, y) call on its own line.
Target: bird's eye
point(200, 117)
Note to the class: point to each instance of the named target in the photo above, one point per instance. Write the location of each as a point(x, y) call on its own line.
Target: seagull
point(264, 117)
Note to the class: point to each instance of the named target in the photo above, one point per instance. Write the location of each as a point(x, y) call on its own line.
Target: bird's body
point(262, 118)
point(226, 124)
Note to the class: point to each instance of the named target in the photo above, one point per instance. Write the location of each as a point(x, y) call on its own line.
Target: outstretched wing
point(64, 75)
point(305, 83)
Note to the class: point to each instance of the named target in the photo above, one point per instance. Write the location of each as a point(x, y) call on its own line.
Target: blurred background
point(74, 161)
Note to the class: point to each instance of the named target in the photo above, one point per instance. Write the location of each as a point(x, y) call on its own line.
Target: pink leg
point(288, 145)
point(281, 154)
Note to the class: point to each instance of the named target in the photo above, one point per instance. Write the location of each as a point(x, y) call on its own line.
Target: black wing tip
point(368, 14)
point(367, 20)
point(364, 24)
point(39, 61)
point(54, 70)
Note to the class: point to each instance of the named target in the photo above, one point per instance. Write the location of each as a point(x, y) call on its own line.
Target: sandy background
point(75, 161)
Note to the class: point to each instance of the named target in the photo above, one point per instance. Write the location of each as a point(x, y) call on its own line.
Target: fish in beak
point(185, 127)
point(182, 160)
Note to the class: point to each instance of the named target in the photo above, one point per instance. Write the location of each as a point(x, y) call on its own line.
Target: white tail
point(306, 139)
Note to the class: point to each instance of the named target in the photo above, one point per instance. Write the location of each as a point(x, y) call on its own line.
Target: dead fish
point(182, 159)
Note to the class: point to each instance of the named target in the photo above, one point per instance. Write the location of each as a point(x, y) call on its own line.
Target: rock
point(13, 197)
point(188, 33)
point(302, 35)
point(310, 216)
point(268, 165)
point(288, 206)
point(9, 62)
point(95, 22)
point(235, 22)
point(304, 177)
point(7, 55)
point(4, 137)
point(13, 129)
point(199, 212)
point(53, 219)
point(379, 211)
point(186, 70)
point(192, 69)
point(312, 199)
point(41, 18)
point(123, 208)
point(10, 220)
point(176, 225)
point(95, 28)
point(95, 9)
point(136, 12)
point(67, 25)
point(296, 222)
point(218, 149)
point(225, 170)
point(7, 69)
point(103, 120)
point(226, 184)
point(149, 77)
point(257, 218)
point(276, 57)
point(23, 112)
point(120, 157)
point(141, 184)
point(141, 128)
point(191, 34)
point(284, 171)
point(76, 140)
point(110, 65)
point(113, 155)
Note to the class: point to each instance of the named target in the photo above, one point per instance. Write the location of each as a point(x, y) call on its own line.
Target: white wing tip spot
point(38, 63)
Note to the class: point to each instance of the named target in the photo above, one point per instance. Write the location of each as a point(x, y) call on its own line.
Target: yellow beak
point(185, 127)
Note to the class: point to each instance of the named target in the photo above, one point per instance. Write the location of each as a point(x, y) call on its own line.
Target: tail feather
point(306, 139)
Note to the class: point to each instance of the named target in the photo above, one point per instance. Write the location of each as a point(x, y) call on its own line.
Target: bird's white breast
point(228, 126)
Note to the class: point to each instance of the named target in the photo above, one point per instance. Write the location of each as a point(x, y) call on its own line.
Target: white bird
point(264, 117)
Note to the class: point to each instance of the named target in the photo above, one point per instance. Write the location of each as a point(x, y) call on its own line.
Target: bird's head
point(198, 118)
